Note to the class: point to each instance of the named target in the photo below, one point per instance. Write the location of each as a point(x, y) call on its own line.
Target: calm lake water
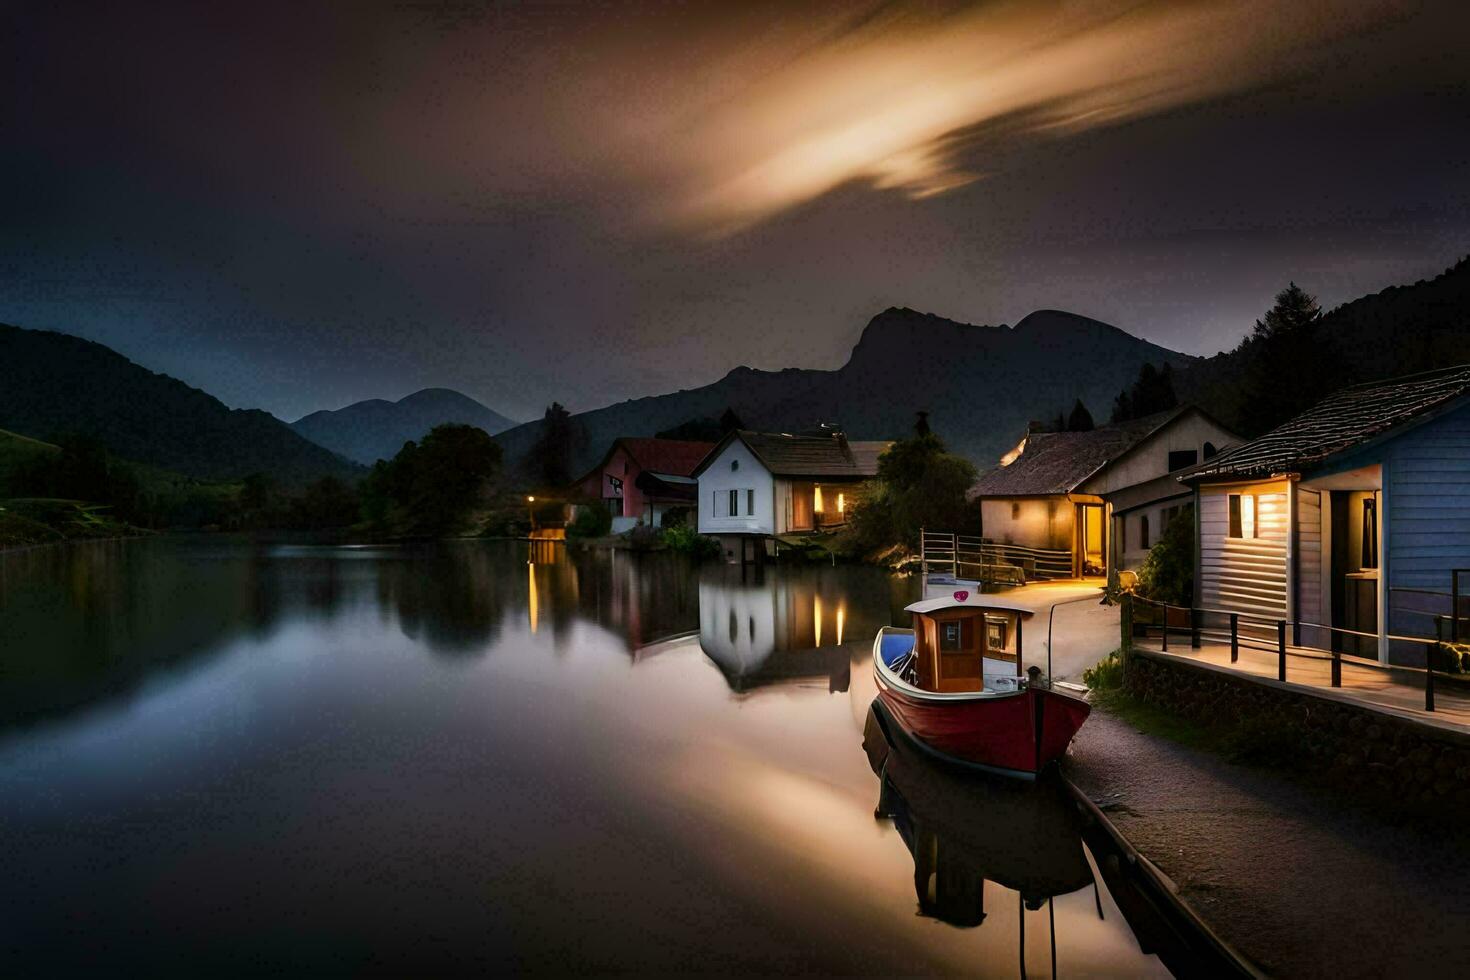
point(243, 756)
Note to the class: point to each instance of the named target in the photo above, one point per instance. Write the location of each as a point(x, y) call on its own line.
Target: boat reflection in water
point(965, 829)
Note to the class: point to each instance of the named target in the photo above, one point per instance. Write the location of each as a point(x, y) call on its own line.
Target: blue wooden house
point(1347, 521)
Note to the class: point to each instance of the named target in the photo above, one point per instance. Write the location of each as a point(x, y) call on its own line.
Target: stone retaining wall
point(1395, 757)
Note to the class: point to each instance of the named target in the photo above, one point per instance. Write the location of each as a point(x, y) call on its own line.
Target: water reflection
point(770, 626)
point(963, 830)
point(467, 757)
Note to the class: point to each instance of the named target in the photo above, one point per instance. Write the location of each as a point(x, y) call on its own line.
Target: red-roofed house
point(639, 480)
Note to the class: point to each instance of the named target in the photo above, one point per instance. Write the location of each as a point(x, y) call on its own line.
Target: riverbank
point(1300, 879)
point(34, 522)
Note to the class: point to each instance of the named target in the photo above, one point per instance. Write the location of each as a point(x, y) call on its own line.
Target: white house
point(755, 487)
point(1346, 522)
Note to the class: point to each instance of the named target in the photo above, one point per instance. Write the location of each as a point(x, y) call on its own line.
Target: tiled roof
point(1349, 418)
point(1057, 462)
point(785, 455)
point(676, 457)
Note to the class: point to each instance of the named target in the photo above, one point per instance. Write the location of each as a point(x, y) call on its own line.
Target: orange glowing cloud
point(897, 101)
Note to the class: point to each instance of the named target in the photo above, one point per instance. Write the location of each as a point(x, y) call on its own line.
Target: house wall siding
point(1427, 480)
point(1243, 575)
point(1150, 458)
point(719, 478)
point(1309, 557)
point(1038, 522)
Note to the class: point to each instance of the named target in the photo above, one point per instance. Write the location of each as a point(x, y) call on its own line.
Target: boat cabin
point(967, 642)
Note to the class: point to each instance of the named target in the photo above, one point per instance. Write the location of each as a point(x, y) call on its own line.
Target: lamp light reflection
point(533, 605)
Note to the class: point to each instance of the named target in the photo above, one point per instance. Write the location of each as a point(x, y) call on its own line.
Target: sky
point(298, 206)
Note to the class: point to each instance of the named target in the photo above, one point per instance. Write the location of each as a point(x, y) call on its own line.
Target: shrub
point(687, 540)
point(1167, 574)
point(593, 521)
point(1106, 674)
point(676, 517)
point(643, 537)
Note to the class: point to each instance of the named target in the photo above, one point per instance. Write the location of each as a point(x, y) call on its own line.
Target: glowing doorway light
point(841, 504)
point(841, 609)
point(817, 500)
point(817, 619)
point(1247, 515)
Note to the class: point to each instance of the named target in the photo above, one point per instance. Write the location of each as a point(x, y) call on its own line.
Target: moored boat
point(956, 684)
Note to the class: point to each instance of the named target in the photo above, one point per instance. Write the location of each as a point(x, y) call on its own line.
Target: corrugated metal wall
point(1244, 575)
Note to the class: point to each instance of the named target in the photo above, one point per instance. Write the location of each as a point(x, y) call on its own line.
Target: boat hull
point(1016, 734)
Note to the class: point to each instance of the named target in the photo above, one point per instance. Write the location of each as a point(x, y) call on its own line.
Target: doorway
point(1090, 540)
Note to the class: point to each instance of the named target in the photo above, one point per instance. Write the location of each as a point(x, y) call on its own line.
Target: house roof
point(815, 456)
point(676, 457)
point(672, 457)
point(1339, 422)
point(1058, 462)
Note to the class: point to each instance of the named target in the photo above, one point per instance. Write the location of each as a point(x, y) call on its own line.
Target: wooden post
point(1126, 619)
point(1234, 637)
point(1194, 621)
point(1281, 649)
point(1429, 679)
point(1166, 627)
point(1336, 665)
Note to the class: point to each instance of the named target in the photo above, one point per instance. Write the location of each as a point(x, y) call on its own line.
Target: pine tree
point(1290, 366)
point(1081, 419)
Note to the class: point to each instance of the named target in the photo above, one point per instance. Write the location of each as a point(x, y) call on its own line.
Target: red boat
point(955, 684)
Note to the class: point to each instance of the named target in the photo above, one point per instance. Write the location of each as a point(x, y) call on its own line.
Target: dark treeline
point(431, 487)
point(1296, 354)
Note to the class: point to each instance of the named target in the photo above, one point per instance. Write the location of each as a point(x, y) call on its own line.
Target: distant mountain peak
point(376, 428)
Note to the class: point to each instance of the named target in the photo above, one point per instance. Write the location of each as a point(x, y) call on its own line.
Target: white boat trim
point(892, 680)
point(972, 600)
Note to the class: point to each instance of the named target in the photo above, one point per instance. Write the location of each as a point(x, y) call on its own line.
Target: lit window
point(1370, 533)
point(817, 500)
point(841, 503)
point(1242, 515)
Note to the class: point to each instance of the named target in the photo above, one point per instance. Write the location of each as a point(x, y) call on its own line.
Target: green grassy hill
point(57, 385)
point(16, 453)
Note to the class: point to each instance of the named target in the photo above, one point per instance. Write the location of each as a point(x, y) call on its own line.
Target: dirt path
point(1300, 881)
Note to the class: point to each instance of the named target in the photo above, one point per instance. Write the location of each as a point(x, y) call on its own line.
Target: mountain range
point(54, 385)
point(981, 385)
point(376, 429)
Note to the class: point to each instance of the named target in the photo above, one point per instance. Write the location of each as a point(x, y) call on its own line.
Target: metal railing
point(1197, 631)
point(965, 556)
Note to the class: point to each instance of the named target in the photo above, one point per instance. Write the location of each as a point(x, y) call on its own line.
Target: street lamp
point(531, 514)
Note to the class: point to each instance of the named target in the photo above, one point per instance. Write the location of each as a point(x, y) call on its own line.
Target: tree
point(1289, 365)
point(1081, 419)
point(1167, 574)
point(707, 429)
point(919, 484)
point(430, 487)
point(1152, 392)
point(551, 456)
point(921, 424)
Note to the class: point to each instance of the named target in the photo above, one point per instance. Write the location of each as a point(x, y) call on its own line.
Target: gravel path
point(1300, 880)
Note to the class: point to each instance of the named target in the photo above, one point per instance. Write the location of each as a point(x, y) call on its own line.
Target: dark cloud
point(299, 206)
